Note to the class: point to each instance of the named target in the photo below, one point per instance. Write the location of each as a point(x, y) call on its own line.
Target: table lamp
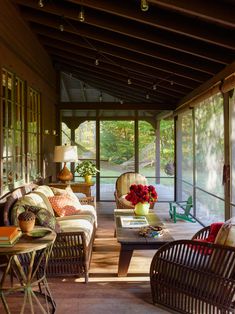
point(65, 154)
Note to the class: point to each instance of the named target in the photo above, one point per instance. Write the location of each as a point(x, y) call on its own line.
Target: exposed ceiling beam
point(100, 72)
point(115, 89)
point(113, 105)
point(166, 20)
point(185, 78)
point(161, 39)
point(117, 85)
point(221, 12)
point(145, 81)
point(88, 31)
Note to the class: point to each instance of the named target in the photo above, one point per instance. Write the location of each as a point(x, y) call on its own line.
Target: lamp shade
point(65, 153)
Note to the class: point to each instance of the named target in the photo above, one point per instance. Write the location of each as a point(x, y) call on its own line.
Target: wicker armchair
point(194, 277)
point(123, 184)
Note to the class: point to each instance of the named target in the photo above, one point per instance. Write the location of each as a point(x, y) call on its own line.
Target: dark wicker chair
point(123, 183)
point(194, 277)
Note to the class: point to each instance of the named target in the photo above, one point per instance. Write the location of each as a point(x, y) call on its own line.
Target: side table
point(27, 262)
point(77, 187)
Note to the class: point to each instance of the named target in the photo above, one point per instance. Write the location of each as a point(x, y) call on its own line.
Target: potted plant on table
point(141, 196)
point(86, 169)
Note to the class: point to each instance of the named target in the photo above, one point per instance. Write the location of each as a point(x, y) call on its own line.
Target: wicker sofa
point(191, 276)
point(72, 250)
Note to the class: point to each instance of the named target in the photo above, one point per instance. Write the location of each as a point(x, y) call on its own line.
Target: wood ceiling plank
point(89, 31)
point(166, 20)
point(130, 90)
point(133, 91)
point(150, 34)
point(112, 105)
point(80, 69)
point(118, 92)
point(184, 78)
point(90, 54)
point(209, 10)
point(109, 73)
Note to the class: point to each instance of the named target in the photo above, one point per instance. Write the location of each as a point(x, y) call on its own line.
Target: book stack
point(9, 236)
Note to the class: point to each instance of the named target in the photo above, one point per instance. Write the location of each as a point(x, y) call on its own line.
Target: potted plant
point(86, 169)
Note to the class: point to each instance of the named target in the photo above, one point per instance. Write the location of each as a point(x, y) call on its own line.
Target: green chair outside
point(181, 210)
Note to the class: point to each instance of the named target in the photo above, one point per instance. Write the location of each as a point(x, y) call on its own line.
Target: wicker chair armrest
point(202, 233)
point(89, 200)
point(203, 271)
point(194, 254)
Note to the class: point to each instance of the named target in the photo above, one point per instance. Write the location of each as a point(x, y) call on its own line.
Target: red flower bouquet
point(142, 194)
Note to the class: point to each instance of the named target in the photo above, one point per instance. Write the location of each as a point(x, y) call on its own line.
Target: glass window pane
point(209, 209)
point(187, 147)
point(209, 129)
point(116, 153)
point(164, 188)
point(167, 147)
point(147, 149)
point(85, 139)
point(232, 151)
point(116, 147)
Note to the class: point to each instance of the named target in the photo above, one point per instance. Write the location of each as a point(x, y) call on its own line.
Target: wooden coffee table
point(130, 239)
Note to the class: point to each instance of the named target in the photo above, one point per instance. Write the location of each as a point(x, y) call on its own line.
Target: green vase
point(142, 209)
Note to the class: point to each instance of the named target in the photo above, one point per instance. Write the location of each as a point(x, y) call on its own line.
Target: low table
point(130, 239)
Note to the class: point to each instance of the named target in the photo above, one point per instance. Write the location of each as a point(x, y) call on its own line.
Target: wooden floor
point(105, 292)
point(106, 248)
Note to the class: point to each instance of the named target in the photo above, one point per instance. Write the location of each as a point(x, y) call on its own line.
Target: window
point(34, 132)
point(209, 155)
point(19, 153)
point(232, 151)
point(7, 128)
point(15, 143)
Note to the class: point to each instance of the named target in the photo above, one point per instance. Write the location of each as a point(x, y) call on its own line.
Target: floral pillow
point(43, 217)
point(64, 205)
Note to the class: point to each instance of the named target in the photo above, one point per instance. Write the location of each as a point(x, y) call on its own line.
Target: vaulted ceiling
point(164, 53)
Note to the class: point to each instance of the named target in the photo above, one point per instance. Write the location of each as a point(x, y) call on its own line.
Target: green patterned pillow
point(44, 218)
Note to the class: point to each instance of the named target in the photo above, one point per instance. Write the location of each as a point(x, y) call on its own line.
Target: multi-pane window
point(33, 131)
point(7, 128)
point(15, 141)
point(19, 147)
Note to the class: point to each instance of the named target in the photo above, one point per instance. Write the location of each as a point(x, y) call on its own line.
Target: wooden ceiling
point(165, 52)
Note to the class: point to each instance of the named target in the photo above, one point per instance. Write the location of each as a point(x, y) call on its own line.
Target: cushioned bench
point(71, 254)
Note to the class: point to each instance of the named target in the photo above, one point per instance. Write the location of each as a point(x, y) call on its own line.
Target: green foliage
point(86, 168)
point(166, 142)
point(117, 140)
